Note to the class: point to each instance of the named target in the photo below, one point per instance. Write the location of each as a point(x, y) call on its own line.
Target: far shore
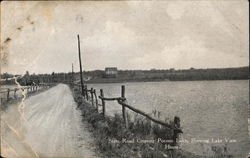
point(135, 81)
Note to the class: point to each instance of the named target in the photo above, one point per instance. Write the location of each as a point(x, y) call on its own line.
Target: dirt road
point(50, 127)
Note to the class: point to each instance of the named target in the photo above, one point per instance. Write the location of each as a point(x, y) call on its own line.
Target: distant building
point(111, 72)
point(171, 69)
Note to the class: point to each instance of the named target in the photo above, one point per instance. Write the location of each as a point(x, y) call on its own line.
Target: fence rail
point(123, 102)
point(30, 89)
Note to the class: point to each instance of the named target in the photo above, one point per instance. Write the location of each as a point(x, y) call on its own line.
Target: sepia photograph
point(125, 79)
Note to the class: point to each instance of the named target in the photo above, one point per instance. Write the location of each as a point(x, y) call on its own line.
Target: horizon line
point(131, 70)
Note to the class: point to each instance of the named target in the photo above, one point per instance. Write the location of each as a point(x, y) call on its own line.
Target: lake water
point(209, 110)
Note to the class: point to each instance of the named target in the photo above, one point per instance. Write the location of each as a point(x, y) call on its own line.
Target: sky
point(41, 37)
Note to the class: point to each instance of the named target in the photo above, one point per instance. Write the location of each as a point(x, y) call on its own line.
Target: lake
point(212, 113)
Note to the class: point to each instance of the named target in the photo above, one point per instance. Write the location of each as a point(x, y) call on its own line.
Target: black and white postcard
point(125, 79)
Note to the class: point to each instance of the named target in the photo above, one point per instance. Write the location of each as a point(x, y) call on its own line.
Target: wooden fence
point(8, 94)
point(122, 101)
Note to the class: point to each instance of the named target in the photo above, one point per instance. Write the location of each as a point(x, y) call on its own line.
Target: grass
point(114, 140)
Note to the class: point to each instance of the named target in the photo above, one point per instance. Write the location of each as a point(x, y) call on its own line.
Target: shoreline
point(138, 81)
point(113, 140)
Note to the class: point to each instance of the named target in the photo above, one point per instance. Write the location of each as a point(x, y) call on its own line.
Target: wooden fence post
point(15, 92)
point(79, 87)
point(123, 107)
point(8, 94)
point(96, 100)
point(92, 96)
point(103, 102)
point(86, 90)
point(176, 131)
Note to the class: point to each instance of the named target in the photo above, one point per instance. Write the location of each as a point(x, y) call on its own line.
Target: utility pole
point(80, 63)
point(72, 73)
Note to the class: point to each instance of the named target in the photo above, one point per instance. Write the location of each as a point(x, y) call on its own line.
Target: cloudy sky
point(41, 37)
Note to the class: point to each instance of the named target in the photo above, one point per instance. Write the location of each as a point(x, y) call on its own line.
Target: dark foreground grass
point(141, 139)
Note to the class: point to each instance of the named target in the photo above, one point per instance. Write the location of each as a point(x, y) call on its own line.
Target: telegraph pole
point(72, 73)
point(80, 63)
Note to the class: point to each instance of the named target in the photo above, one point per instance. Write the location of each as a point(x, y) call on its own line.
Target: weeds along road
point(51, 126)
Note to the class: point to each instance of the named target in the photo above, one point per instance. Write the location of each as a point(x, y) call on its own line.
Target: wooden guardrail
point(13, 91)
point(123, 102)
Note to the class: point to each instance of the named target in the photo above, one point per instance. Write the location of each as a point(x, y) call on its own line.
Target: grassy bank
point(140, 139)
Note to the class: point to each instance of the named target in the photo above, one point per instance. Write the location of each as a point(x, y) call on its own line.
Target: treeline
point(98, 76)
point(33, 79)
point(173, 75)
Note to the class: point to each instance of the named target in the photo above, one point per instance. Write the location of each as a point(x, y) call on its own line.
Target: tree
point(26, 78)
